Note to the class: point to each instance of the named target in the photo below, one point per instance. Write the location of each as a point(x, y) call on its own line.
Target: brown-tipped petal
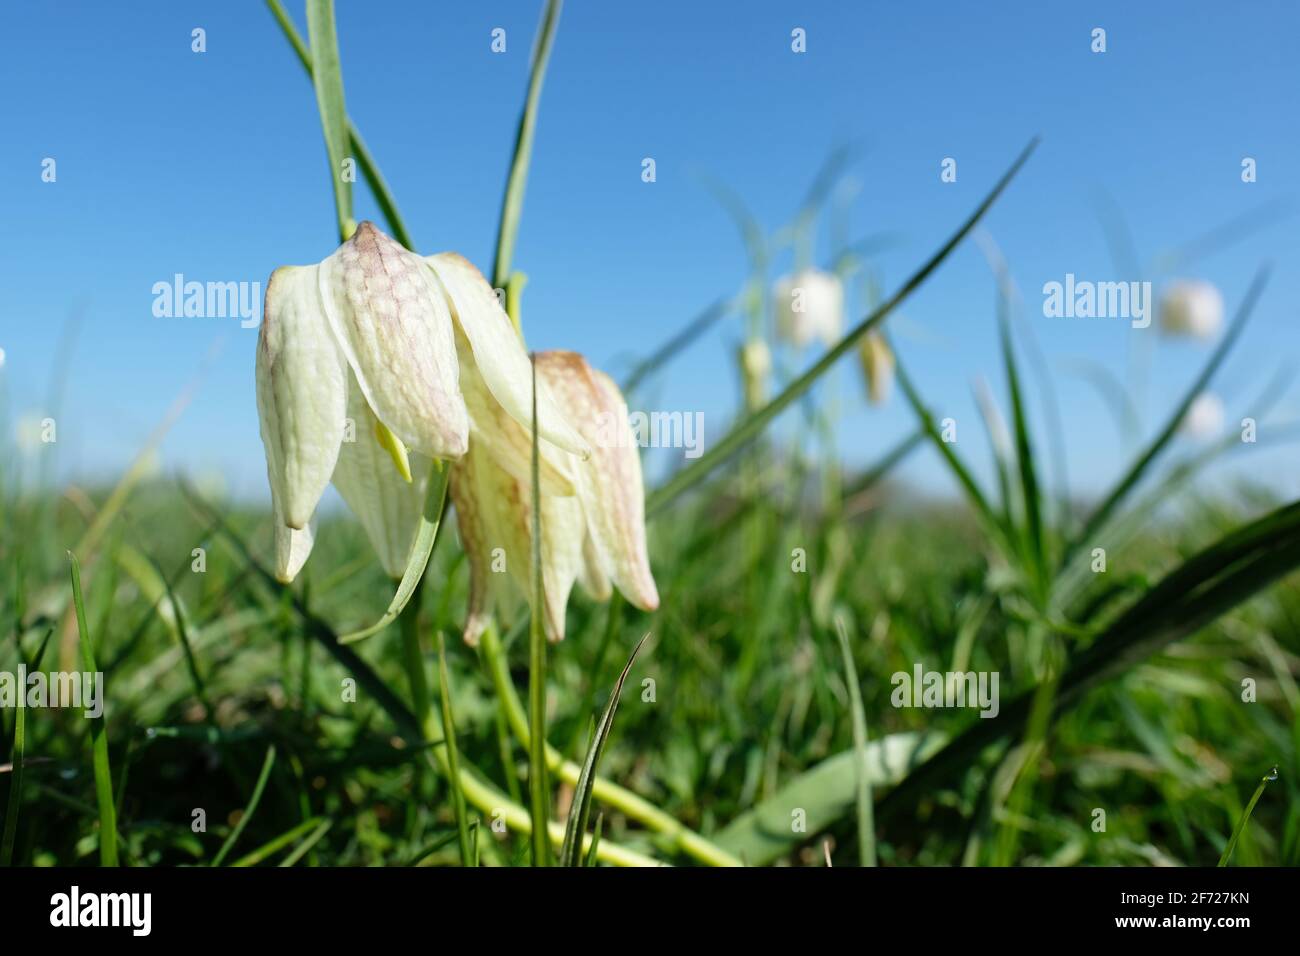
point(609, 483)
point(499, 354)
point(301, 393)
point(473, 540)
point(509, 443)
point(493, 510)
point(387, 505)
point(393, 325)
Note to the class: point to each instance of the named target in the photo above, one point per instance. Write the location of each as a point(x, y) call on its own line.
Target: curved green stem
point(476, 790)
point(679, 835)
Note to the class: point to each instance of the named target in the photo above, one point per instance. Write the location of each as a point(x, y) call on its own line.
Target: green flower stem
point(477, 791)
point(639, 809)
point(512, 204)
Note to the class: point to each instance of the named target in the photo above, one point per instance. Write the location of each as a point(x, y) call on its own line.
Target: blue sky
point(212, 165)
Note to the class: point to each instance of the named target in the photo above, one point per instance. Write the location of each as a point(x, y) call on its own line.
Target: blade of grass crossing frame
point(15, 786)
point(278, 843)
point(16, 760)
point(1245, 817)
point(580, 808)
point(253, 801)
point(595, 840)
point(866, 826)
point(453, 754)
point(959, 470)
point(98, 736)
point(747, 430)
point(1029, 493)
point(512, 204)
point(666, 352)
point(369, 168)
point(327, 78)
point(426, 539)
point(538, 787)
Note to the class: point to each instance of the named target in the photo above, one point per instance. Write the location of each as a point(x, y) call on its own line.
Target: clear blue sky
point(212, 165)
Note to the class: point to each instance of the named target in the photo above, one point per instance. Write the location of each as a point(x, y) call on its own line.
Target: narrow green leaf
point(874, 475)
point(1245, 817)
point(369, 168)
point(750, 428)
point(16, 773)
point(253, 801)
point(512, 204)
point(182, 633)
point(595, 840)
point(866, 827)
point(580, 808)
point(303, 848)
point(278, 843)
point(823, 794)
point(98, 736)
point(16, 759)
point(1030, 496)
point(666, 352)
point(453, 754)
point(426, 539)
point(945, 449)
point(327, 78)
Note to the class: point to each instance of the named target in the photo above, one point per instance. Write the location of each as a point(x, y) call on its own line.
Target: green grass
point(748, 697)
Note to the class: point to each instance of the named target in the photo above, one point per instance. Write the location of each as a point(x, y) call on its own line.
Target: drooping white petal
point(509, 442)
point(498, 353)
point(609, 483)
point(393, 325)
point(291, 548)
point(387, 506)
point(494, 514)
point(301, 392)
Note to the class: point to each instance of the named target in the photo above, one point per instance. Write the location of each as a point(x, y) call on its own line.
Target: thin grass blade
point(267, 763)
point(862, 773)
point(327, 79)
point(512, 204)
point(580, 808)
point(453, 754)
point(1245, 817)
point(98, 736)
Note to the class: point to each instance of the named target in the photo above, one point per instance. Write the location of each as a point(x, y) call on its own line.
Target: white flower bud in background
point(877, 366)
point(2, 358)
point(1191, 307)
point(755, 367)
point(1204, 420)
point(809, 305)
